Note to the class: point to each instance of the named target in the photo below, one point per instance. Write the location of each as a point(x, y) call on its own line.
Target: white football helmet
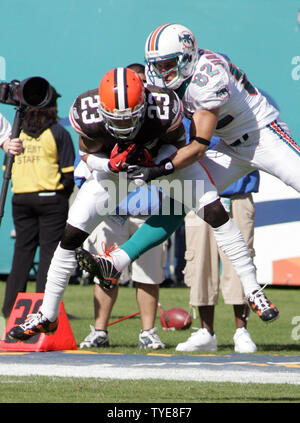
point(167, 42)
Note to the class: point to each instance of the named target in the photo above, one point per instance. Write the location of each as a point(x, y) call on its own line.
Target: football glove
point(144, 158)
point(124, 155)
point(120, 156)
point(147, 174)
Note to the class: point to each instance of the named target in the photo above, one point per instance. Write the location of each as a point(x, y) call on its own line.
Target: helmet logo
point(186, 39)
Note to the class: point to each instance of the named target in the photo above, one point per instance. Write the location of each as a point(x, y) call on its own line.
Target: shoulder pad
point(164, 104)
point(210, 85)
point(84, 115)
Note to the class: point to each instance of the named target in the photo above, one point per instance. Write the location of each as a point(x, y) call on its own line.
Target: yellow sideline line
point(14, 353)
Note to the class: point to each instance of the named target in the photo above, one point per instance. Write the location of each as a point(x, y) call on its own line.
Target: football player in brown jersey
point(132, 124)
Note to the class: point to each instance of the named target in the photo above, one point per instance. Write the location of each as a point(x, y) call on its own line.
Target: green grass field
point(280, 337)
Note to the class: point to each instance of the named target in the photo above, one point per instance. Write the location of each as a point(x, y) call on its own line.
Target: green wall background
point(73, 43)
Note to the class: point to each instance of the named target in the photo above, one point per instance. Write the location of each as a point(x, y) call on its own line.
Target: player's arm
point(206, 102)
point(201, 131)
point(89, 146)
point(117, 162)
point(90, 153)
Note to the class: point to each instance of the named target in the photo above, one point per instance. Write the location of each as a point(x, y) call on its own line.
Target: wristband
point(200, 140)
point(167, 166)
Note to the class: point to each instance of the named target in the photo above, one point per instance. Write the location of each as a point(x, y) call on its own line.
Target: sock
point(101, 330)
point(120, 259)
point(62, 266)
point(232, 243)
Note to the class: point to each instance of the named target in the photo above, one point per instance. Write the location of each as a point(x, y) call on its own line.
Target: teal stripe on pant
point(153, 232)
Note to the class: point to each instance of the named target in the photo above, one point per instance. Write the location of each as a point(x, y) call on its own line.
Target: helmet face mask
point(122, 103)
point(170, 75)
point(167, 42)
point(123, 124)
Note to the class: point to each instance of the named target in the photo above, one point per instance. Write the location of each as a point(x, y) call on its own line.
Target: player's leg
point(278, 154)
point(53, 213)
point(155, 230)
point(82, 219)
point(226, 165)
point(269, 149)
point(107, 233)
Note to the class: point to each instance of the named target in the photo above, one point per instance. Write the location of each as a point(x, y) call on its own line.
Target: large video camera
point(34, 92)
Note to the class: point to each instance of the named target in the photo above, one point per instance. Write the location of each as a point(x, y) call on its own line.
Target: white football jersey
point(217, 82)
point(5, 129)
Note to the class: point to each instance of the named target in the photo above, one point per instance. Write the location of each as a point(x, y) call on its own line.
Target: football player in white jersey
point(220, 101)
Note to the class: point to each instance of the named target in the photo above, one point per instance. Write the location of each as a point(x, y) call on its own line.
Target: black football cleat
point(262, 306)
point(33, 325)
point(100, 266)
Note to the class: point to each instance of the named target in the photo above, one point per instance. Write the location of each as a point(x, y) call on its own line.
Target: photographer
point(42, 182)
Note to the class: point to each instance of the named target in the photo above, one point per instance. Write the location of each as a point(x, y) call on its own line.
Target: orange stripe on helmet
point(154, 35)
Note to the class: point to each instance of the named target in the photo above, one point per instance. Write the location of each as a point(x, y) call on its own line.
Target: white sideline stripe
point(194, 374)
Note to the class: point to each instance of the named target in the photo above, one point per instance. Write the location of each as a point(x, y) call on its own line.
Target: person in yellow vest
point(42, 182)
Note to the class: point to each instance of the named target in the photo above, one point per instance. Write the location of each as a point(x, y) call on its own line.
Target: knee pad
point(73, 238)
point(215, 214)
